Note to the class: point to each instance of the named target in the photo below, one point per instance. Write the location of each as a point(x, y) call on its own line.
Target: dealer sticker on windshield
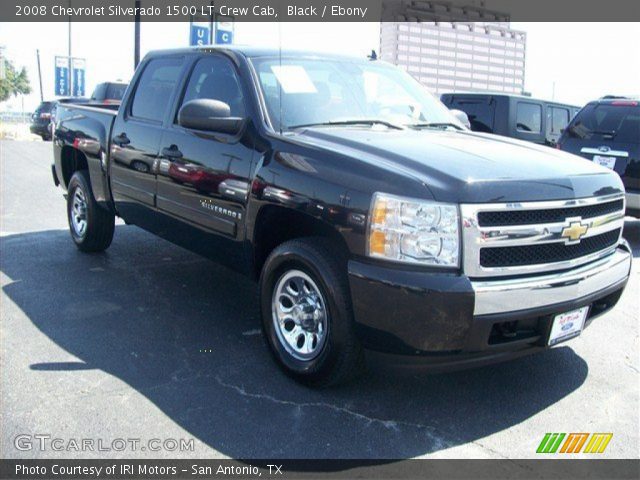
point(609, 162)
point(567, 325)
point(294, 79)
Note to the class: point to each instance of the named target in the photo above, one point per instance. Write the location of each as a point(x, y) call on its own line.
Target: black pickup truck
point(373, 220)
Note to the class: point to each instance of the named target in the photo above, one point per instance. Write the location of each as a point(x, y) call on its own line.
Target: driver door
point(203, 177)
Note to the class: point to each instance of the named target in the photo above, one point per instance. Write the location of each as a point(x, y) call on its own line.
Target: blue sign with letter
point(223, 37)
point(199, 35)
point(78, 69)
point(224, 32)
point(61, 86)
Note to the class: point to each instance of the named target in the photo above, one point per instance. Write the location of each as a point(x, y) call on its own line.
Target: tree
point(14, 82)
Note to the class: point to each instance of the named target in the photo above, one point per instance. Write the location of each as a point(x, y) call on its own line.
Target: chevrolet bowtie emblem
point(575, 231)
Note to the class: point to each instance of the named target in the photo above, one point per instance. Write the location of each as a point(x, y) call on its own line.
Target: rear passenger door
point(136, 138)
point(528, 121)
point(203, 177)
point(557, 121)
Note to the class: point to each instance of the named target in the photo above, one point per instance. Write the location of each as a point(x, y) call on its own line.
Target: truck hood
point(470, 167)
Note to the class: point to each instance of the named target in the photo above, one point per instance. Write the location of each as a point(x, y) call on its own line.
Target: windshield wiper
point(364, 121)
point(435, 125)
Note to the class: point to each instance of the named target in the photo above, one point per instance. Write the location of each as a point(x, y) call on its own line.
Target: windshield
point(300, 92)
point(619, 123)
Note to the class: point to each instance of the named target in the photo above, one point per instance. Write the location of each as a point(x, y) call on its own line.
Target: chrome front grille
point(539, 237)
point(547, 215)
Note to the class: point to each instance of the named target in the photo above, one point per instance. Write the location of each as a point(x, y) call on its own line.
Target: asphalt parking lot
point(149, 341)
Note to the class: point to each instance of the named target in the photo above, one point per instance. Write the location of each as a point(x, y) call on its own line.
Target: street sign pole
point(69, 48)
point(211, 25)
point(136, 37)
point(70, 76)
point(78, 68)
point(62, 76)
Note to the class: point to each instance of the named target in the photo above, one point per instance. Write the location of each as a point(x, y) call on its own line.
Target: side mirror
point(462, 117)
point(209, 115)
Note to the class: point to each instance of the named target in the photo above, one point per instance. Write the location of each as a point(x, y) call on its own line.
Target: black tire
point(99, 223)
point(340, 359)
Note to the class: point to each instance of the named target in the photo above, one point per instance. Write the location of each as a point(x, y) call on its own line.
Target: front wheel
point(91, 226)
point(306, 312)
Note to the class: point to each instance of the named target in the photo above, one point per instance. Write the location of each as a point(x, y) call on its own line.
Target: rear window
point(115, 91)
point(618, 123)
point(481, 112)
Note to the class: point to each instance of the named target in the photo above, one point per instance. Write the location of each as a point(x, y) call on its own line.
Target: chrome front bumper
point(501, 296)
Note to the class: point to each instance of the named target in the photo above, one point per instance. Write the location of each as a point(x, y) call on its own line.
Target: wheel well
point(71, 161)
point(276, 225)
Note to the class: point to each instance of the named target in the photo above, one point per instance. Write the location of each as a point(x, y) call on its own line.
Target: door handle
point(172, 153)
point(121, 140)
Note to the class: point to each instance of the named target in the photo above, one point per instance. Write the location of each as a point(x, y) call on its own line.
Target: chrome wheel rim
point(299, 315)
point(79, 213)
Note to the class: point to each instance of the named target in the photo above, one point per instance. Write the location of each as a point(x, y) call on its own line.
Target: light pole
point(69, 53)
point(69, 32)
point(39, 75)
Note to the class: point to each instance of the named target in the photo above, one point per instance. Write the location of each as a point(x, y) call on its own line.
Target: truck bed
point(85, 129)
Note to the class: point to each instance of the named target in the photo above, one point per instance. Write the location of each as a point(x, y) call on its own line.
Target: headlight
point(414, 231)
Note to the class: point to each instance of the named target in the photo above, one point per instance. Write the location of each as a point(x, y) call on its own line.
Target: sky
point(568, 62)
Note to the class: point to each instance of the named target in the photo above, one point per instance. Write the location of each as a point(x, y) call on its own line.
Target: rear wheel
point(90, 225)
point(307, 315)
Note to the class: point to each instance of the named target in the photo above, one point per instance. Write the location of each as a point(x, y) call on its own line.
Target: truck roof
point(253, 52)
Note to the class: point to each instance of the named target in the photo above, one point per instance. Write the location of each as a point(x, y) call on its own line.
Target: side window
point(529, 117)
point(216, 79)
point(155, 87)
point(557, 119)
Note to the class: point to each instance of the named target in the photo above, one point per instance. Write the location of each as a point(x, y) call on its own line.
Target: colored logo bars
point(574, 442)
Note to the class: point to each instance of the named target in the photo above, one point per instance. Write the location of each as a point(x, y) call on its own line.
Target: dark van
point(513, 116)
point(41, 119)
point(607, 132)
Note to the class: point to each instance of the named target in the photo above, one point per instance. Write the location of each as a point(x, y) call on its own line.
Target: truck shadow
point(185, 333)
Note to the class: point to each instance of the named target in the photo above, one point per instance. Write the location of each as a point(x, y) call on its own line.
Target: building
point(457, 56)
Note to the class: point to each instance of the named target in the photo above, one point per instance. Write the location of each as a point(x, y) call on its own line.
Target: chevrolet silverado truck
point(374, 222)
